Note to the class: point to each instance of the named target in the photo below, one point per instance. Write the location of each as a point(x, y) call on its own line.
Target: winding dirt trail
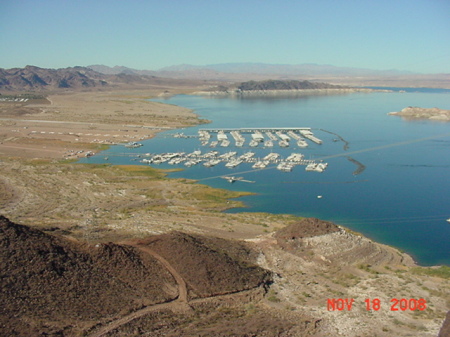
point(124, 320)
point(180, 304)
point(182, 288)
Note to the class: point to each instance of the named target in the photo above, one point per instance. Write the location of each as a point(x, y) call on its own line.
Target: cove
point(387, 178)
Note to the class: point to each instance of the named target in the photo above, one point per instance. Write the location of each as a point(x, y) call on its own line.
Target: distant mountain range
point(214, 71)
point(99, 76)
point(238, 72)
point(32, 77)
point(35, 78)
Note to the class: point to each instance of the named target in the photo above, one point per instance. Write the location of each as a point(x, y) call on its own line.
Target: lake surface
point(401, 198)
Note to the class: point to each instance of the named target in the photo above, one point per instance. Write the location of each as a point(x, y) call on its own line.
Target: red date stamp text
point(375, 304)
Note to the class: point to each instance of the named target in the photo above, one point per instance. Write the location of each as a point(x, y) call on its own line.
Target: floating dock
point(265, 136)
point(232, 160)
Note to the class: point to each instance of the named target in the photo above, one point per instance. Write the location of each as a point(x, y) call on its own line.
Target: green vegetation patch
point(25, 95)
point(442, 271)
point(214, 198)
point(140, 170)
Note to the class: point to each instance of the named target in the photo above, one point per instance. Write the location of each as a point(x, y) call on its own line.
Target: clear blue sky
point(409, 35)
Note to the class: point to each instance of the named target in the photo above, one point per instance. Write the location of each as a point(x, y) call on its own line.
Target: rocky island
point(412, 112)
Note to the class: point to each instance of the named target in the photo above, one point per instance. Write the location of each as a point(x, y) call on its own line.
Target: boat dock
point(232, 160)
point(265, 136)
point(252, 138)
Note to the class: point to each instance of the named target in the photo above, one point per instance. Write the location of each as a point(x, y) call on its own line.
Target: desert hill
point(32, 77)
point(56, 286)
point(50, 279)
point(36, 78)
point(179, 284)
point(209, 271)
point(100, 76)
point(278, 88)
point(283, 85)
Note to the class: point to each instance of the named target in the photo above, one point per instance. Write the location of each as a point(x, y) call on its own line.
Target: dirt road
point(180, 304)
point(182, 288)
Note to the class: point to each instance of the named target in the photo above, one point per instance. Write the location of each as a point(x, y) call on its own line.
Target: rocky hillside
point(267, 86)
point(179, 284)
point(279, 88)
point(50, 279)
point(316, 261)
point(197, 260)
point(284, 85)
point(32, 78)
point(35, 78)
point(54, 286)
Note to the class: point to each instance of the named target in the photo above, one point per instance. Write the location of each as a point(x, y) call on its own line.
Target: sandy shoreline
point(288, 93)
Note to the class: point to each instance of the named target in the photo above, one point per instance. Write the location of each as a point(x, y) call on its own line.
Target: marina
point(256, 136)
point(260, 138)
point(370, 162)
point(231, 159)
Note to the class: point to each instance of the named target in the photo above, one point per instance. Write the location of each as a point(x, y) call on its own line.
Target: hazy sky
point(377, 34)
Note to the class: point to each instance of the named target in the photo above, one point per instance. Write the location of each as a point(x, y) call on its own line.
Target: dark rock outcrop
point(52, 285)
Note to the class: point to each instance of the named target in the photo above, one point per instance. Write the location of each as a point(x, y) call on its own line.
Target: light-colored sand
point(72, 122)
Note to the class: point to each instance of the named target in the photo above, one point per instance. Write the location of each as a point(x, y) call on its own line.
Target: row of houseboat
point(232, 159)
point(268, 137)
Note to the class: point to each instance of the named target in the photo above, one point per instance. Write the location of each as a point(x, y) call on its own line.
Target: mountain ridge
point(283, 69)
point(101, 76)
point(236, 72)
point(256, 68)
point(84, 78)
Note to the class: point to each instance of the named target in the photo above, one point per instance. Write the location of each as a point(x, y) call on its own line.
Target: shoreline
point(359, 169)
point(241, 208)
point(156, 130)
point(288, 92)
point(75, 123)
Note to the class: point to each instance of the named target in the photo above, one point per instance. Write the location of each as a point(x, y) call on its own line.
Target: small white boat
point(448, 220)
point(232, 179)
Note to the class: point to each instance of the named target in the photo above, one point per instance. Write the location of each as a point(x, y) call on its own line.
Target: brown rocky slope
point(74, 78)
point(179, 284)
point(55, 286)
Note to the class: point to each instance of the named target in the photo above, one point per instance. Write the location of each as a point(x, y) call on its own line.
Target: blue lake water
point(400, 199)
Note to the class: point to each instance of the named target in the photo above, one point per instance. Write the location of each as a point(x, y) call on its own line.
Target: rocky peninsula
point(271, 88)
point(423, 113)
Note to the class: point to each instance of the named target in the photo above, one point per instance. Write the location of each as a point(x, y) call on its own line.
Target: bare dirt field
point(66, 123)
